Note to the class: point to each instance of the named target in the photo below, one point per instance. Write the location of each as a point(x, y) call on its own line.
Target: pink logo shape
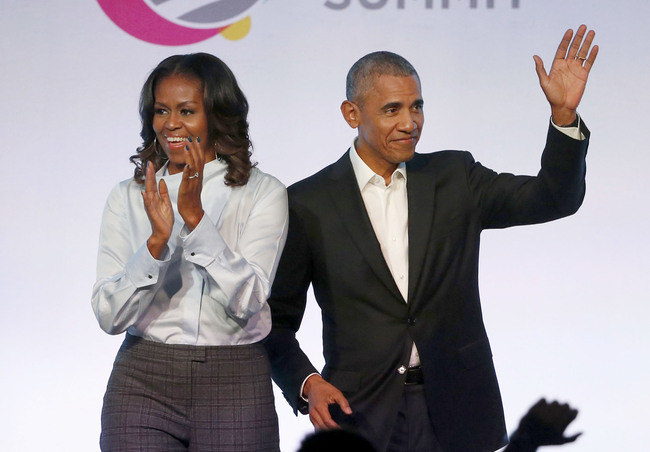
point(140, 21)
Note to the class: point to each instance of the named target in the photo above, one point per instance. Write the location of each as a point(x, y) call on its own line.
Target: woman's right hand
point(160, 212)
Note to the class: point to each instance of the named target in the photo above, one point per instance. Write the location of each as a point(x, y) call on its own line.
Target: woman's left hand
point(189, 193)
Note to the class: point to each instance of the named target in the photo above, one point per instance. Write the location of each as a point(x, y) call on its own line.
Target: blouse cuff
point(202, 245)
point(143, 269)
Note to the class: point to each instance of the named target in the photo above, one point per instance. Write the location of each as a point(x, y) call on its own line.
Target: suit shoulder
point(310, 181)
point(440, 159)
point(316, 182)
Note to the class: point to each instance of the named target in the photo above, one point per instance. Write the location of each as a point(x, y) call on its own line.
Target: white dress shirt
point(211, 286)
point(387, 207)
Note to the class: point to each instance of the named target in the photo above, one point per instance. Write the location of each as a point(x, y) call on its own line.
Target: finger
point(145, 200)
point(190, 164)
point(343, 403)
point(326, 417)
point(322, 416)
point(564, 45)
point(191, 148)
point(150, 207)
point(584, 48)
point(150, 179)
point(575, 44)
point(164, 192)
point(571, 414)
point(591, 58)
point(188, 176)
point(564, 412)
point(197, 153)
point(570, 439)
point(330, 424)
point(317, 420)
point(540, 403)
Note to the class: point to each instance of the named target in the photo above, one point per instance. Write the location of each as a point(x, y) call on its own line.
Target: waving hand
point(565, 83)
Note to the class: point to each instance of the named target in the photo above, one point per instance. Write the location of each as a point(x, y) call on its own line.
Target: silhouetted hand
point(543, 425)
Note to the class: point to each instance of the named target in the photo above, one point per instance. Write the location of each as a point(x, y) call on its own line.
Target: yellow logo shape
point(238, 30)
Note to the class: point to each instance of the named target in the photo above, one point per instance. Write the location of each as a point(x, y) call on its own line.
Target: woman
point(185, 266)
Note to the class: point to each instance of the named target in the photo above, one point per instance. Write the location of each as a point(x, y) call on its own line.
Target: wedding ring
point(194, 176)
point(581, 58)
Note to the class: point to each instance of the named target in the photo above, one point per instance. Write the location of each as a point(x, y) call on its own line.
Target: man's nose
point(408, 123)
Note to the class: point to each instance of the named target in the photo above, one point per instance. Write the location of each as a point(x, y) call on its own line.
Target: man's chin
point(404, 155)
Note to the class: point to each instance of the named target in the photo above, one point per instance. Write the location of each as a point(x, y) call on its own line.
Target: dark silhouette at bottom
point(543, 425)
point(338, 440)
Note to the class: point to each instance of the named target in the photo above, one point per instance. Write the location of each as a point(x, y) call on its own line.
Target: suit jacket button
point(411, 321)
point(401, 370)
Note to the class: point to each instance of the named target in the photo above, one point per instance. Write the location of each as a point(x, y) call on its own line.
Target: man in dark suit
point(389, 240)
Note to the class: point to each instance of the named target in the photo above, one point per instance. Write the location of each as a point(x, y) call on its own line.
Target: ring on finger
point(194, 176)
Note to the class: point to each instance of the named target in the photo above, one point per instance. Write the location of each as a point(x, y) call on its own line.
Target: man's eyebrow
point(392, 105)
point(416, 103)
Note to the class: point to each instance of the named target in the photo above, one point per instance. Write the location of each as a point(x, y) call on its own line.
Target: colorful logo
point(181, 22)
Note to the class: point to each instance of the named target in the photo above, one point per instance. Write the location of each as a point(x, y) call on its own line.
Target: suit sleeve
point(557, 191)
point(289, 364)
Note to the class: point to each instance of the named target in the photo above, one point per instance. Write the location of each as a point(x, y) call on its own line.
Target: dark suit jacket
point(368, 328)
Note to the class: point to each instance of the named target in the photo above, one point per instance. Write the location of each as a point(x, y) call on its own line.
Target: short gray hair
point(362, 72)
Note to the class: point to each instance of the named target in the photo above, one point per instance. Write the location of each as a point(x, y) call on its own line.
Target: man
point(389, 240)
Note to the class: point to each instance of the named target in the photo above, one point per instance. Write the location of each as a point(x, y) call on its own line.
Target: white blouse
point(212, 284)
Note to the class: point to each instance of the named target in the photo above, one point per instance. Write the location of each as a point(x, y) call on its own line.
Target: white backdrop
point(565, 303)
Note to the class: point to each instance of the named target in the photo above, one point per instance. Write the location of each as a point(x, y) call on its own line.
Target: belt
point(414, 376)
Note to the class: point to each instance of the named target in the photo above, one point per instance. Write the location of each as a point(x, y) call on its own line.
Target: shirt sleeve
point(239, 276)
point(126, 280)
point(571, 131)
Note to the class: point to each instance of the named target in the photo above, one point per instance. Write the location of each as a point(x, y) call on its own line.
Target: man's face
point(389, 119)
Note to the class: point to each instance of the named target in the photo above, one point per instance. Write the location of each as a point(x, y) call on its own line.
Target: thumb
point(343, 403)
point(570, 439)
point(539, 68)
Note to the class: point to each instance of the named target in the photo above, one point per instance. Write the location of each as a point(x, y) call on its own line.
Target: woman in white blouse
point(187, 253)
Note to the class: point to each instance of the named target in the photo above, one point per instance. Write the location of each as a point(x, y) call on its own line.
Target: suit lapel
point(421, 194)
point(352, 213)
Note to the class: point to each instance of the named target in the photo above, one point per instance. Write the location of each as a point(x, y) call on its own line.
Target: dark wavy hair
point(225, 106)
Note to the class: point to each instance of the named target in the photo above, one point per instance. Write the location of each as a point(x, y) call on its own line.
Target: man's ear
point(351, 113)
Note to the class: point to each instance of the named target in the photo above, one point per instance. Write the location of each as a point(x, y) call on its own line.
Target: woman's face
point(178, 115)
